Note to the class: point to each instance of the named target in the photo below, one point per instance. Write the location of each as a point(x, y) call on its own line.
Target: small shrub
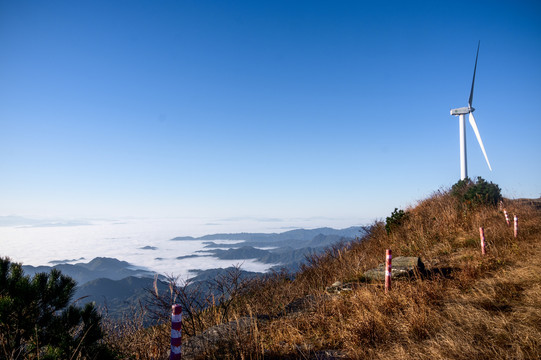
point(479, 192)
point(395, 220)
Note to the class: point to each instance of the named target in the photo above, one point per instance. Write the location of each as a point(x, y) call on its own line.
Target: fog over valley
point(147, 244)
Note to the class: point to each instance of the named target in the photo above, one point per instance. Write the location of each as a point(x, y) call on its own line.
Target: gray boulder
point(402, 266)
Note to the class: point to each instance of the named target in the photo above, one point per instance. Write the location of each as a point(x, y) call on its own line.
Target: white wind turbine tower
point(460, 112)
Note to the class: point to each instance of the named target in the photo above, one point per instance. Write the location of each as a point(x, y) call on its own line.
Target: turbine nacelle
point(462, 111)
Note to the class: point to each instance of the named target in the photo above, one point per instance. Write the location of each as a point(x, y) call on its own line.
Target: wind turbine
point(468, 110)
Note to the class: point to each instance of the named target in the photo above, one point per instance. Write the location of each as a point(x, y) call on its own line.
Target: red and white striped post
point(516, 226)
point(388, 269)
point(506, 217)
point(482, 235)
point(176, 333)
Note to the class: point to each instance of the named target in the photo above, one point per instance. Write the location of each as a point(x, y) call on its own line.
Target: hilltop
point(464, 306)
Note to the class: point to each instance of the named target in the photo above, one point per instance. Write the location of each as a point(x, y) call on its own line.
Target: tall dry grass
point(480, 307)
point(129, 338)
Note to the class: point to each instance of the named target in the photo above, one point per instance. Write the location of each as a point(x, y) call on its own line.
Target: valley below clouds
point(114, 262)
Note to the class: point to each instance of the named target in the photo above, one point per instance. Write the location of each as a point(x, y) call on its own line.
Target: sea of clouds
point(44, 243)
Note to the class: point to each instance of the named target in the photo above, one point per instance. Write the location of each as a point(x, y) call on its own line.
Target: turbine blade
point(473, 81)
point(476, 131)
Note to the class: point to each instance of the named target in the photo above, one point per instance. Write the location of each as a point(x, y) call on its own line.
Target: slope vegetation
point(465, 306)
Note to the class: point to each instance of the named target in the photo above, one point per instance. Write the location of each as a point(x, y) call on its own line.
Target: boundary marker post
point(176, 332)
point(482, 235)
point(388, 269)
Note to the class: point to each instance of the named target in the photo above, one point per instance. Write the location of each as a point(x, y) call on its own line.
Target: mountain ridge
point(296, 234)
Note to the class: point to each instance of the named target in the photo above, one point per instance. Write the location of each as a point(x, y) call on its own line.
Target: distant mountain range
point(288, 249)
point(264, 239)
point(117, 285)
point(100, 267)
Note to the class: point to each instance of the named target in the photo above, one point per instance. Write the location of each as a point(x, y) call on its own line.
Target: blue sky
point(266, 109)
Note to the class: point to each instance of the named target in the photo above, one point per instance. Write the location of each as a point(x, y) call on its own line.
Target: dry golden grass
point(131, 340)
point(480, 307)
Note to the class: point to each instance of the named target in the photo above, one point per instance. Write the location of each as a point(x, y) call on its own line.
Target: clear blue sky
point(261, 108)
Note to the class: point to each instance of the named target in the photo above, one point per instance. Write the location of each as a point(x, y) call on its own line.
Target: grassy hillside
point(467, 306)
